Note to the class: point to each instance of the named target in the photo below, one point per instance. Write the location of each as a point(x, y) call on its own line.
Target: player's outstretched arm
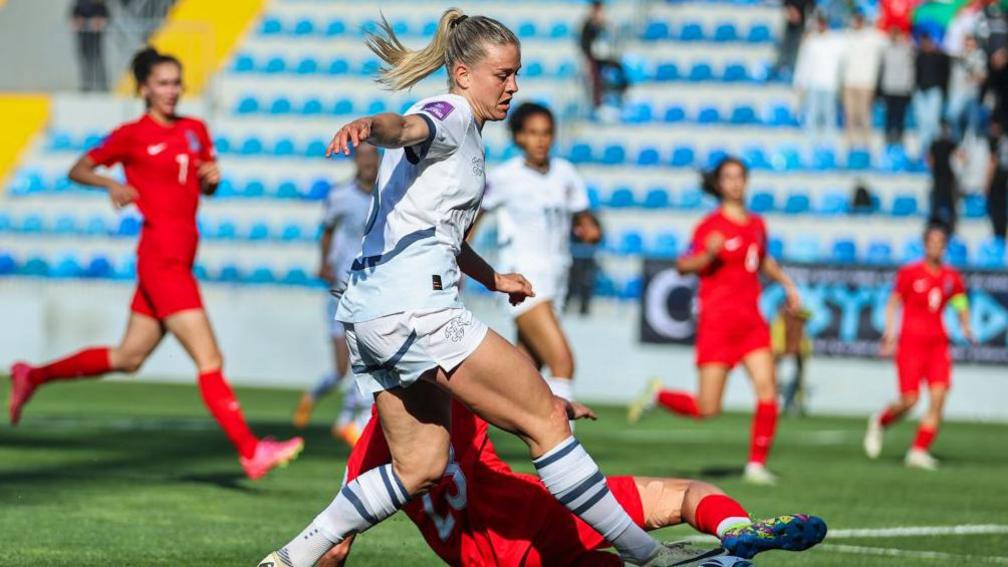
point(775, 272)
point(888, 345)
point(474, 266)
point(386, 130)
point(698, 260)
point(83, 172)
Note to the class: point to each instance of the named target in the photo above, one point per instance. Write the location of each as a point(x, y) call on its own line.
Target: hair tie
point(458, 21)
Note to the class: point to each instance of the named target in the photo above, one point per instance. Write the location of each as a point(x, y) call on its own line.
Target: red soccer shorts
point(164, 287)
point(568, 541)
point(727, 339)
point(931, 362)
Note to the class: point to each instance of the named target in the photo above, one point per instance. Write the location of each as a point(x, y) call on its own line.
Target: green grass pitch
point(120, 473)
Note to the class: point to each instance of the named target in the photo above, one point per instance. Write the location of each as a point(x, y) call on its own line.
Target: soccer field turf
point(116, 473)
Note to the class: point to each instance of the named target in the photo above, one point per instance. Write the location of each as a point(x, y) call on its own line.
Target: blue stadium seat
point(275, 65)
point(281, 105)
point(631, 243)
point(125, 268)
point(904, 206)
point(648, 156)
point(559, 30)
point(655, 30)
point(690, 199)
point(802, 249)
point(376, 106)
point(429, 28)
point(226, 188)
point(744, 115)
point(675, 113)
point(34, 266)
point(91, 140)
point(222, 145)
point(666, 72)
point(96, 226)
point(5, 221)
point(258, 231)
point(316, 148)
point(844, 251)
point(343, 106)
point(756, 158)
point(129, 225)
point(786, 158)
point(683, 156)
point(229, 273)
point(594, 199)
point(894, 159)
point(760, 33)
point(604, 285)
point(701, 72)
point(251, 146)
point(797, 204)
point(691, 31)
point(533, 70)
point(526, 30)
point(311, 106)
point(247, 105)
point(974, 206)
point(913, 249)
point(708, 115)
point(621, 198)
point(780, 115)
point(735, 73)
point(200, 271)
point(725, 32)
point(253, 189)
point(335, 28)
point(761, 202)
point(957, 254)
point(307, 66)
point(833, 203)
point(879, 253)
point(580, 152)
point(31, 224)
point(296, 276)
point(65, 224)
point(287, 190)
point(715, 156)
point(99, 267)
point(656, 198)
point(991, 254)
point(369, 67)
point(66, 267)
point(271, 26)
point(858, 160)
point(613, 154)
point(824, 159)
point(632, 288)
point(637, 112)
point(339, 66)
point(243, 63)
point(401, 27)
point(291, 232)
point(283, 147)
point(318, 189)
point(226, 230)
point(304, 27)
point(666, 245)
point(8, 265)
point(566, 70)
point(775, 247)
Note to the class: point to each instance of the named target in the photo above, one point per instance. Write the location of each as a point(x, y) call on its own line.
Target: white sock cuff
point(731, 522)
point(561, 387)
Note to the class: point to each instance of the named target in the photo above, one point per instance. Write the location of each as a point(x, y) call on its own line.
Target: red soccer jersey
point(483, 513)
point(731, 282)
point(924, 294)
point(160, 163)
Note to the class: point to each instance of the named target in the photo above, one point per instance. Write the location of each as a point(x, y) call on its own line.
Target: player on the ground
point(168, 160)
point(728, 253)
point(411, 339)
point(346, 213)
point(537, 198)
point(921, 345)
point(483, 513)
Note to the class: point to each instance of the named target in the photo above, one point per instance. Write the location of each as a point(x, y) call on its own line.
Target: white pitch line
point(916, 531)
point(894, 552)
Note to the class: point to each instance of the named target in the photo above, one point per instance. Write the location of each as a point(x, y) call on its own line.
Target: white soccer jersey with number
point(427, 198)
point(534, 213)
point(346, 213)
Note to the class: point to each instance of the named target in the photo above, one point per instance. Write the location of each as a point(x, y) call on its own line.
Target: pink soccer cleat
point(270, 454)
point(21, 390)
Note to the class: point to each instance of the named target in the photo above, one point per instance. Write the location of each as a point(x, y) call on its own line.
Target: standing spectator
point(583, 270)
point(963, 24)
point(817, 78)
point(992, 35)
point(862, 59)
point(89, 18)
point(997, 182)
point(944, 186)
point(932, 69)
point(969, 71)
point(896, 83)
point(795, 17)
point(598, 47)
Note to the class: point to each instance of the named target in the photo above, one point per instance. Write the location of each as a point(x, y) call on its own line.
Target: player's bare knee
point(422, 469)
point(126, 362)
point(706, 412)
point(909, 400)
point(210, 362)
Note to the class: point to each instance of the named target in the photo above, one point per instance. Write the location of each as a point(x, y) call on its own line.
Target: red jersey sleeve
point(113, 149)
point(958, 286)
point(902, 285)
point(699, 236)
point(761, 237)
point(207, 151)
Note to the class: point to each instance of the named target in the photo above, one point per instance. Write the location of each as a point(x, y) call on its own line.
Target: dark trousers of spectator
point(943, 203)
point(794, 391)
point(581, 283)
point(606, 75)
point(997, 206)
point(92, 62)
point(895, 117)
point(787, 51)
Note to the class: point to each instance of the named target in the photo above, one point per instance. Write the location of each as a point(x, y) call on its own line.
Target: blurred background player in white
point(411, 340)
point(538, 198)
point(729, 254)
point(921, 345)
point(346, 213)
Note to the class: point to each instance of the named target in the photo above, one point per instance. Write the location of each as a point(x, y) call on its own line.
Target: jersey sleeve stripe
point(415, 155)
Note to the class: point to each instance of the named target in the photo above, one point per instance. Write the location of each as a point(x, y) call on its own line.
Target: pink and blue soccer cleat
point(796, 532)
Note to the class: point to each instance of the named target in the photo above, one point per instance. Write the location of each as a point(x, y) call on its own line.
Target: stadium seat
point(974, 206)
point(691, 31)
point(797, 204)
point(715, 155)
point(65, 268)
point(735, 73)
point(304, 27)
point(656, 198)
point(666, 245)
point(613, 154)
point(129, 225)
point(833, 203)
point(559, 30)
point(655, 30)
point(271, 26)
point(760, 33)
point(318, 190)
point(226, 230)
point(761, 202)
point(844, 251)
point(259, 231)
point(621, 198)
point(823, 159)
point(725, 32)
point(744, 115)
point(369, 67)
point(566, 70)
point(65, 224)
point(775, 247)
point(34, 266)
point(287, 190)
point(281, 105)
point(701, 72)
point(243, 63)
point(632, 288)
point(8, 265)
point(283, 147)
point(253, 189)
point(222, 144)
point(307, 66)
point(781, 116)
point(291, 232)
point(879, 253)
point(247, 105)
point(594, 199)
point(32, 224)
point(858, 160)
point(786, 158)
point(339, 66)
point(376, 106)
point(98, 267)
point(311, 106)
point(228, 273)
point(913, 249)
point(95, 226)
point(604, 285)
point(690, 199)
point(648, 156)
point(526, 30)
point(534, 69)
point(666, 72)
point(675, 113)
point(343, 106)
point(991, 254)
point(682, 156)
point(631, 243)
point(335, 28)
point(802, 249)
point(580, 152)
point(251, 146)
point(316, 148)
point(637, 112)
point(756, 159)
point(275, 65)
point(125, 268)
point(297, 276)
point(904, 206)
point(708, 115)
point(957, 254)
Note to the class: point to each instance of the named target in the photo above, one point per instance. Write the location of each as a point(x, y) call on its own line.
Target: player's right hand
point(350, 136)
point(515, 285)
point(579, 411)
point(122, 195)
point(888, 345)
point(714, 243)
point(326, 274)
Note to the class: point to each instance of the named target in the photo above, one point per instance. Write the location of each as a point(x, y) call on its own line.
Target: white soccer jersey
point(427, 198)
point(534, 213)
point(346, 213)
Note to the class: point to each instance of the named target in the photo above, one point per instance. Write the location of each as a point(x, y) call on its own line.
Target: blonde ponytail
point(458, 38)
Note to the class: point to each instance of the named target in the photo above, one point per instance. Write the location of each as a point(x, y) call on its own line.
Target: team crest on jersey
point(193, 141)
point(477, 166)
point(456, 328)
point(439, 108)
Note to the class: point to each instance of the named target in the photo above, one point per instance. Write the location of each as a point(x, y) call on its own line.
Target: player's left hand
point(209, 173)
point(794, 304)
point(336, 556)
point(515, 285)
point(579, 411)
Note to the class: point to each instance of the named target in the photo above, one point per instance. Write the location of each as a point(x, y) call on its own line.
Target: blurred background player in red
point(728, 253)
point(464, 521)
point(346, 212)
point(921, 345)
point(168, 160)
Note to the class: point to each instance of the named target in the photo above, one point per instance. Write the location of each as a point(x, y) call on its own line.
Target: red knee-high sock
point(714, 509)
point(925, 436)
point(223, 405)
point(763, 426)
point(86, 363)
point(678, 402)
point(887, 418)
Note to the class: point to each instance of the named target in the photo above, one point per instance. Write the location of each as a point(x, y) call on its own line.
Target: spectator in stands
point(963, 24)
point(581, 279)
point(796, 14)
point(931, 70)
point(997, 181)
point(896, 83)
point(817, 78)
point(862, 200)
point(862, 59)
point(992, 35)
point(88, 19)
point(969, 72)
point(944, 185)
point(597, 41)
